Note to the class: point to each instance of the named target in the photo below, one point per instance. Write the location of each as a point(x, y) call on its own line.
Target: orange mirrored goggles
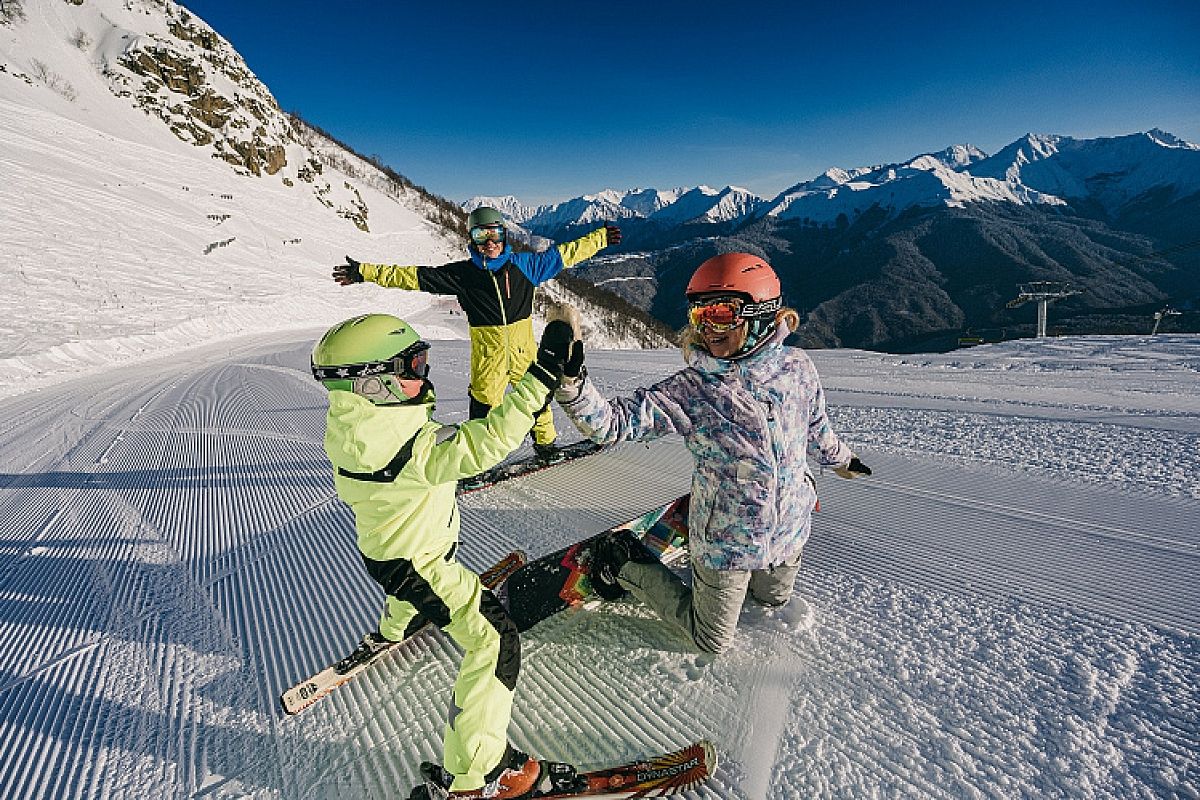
point(716, 315)
point(720, 314)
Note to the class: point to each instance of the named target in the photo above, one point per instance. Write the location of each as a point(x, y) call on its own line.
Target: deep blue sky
point(550, 100)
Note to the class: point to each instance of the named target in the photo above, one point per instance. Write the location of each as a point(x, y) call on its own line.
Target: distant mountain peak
point(700, 204)
point(1159, 136)
point(512, 208)
point(960, 155)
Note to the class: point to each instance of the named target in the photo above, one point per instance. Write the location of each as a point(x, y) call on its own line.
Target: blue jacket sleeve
point(539, 267)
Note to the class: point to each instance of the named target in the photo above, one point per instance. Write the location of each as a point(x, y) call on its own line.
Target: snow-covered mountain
point(666, 207)
point(647, 202)
point(927, 180)
point(590, 209)
point(512, 208)
point(1034, 171)
point(152, 183)
point(914, 254)
point(705, 204)
point(1110, 171)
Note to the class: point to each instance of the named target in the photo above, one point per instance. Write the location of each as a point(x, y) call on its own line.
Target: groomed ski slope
point(1008, 608)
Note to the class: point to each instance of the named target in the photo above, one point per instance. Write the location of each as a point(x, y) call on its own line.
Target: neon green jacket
point(413, 514)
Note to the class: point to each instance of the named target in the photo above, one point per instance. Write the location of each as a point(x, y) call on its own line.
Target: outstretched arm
point(646, 414)
point(435, 280)
point(541, 267)
point(824, 444)
point(587, 246)
point(483, 443)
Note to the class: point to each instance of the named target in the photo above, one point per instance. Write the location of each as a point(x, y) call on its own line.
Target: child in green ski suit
point(398, 470)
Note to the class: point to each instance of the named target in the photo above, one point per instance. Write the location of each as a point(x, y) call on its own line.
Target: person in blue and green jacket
point(494, 286)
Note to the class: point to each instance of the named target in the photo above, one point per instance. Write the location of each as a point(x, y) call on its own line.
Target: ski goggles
point(411, 363)
point(722, 314)
point(482, 235)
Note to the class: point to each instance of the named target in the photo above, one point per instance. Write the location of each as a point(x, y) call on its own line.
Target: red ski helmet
point(740, 273)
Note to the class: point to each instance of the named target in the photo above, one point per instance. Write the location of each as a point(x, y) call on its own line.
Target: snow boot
point(609, 555)
point(547, 454)
point(514, 778)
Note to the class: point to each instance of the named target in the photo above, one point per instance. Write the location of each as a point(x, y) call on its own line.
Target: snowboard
point(527, 466)
point(547, 585)
point(310, 690)
point(656, 776)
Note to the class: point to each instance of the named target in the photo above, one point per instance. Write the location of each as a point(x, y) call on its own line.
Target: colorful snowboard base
point(552, 583)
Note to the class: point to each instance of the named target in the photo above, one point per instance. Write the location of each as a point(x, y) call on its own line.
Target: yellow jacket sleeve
point(483, 443)
point(392, 276)
point(581, 249)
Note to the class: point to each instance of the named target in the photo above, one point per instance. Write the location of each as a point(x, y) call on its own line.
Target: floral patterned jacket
point(749, 424)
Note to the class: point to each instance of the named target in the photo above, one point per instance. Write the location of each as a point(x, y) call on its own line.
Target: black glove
point(574, 368)
point(853, 469)
point(613, 233)
point(555, 353)
point(348, 273)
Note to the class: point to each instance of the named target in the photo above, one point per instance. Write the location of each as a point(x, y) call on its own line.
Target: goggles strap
point(375, 368)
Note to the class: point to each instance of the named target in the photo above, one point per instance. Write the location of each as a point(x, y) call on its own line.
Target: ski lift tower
point(1167, 311)
point(1045, 293)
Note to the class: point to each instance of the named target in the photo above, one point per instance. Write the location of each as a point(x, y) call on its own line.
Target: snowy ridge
point(1037, 170)
point(704, 204)
point(670, 207)
point(925, 180)
point(1113, 171)
point(1034, 170)
point(121, 216)
point(512, 208)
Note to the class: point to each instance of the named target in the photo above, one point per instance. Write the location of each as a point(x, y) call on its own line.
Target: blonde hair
point(689, 337)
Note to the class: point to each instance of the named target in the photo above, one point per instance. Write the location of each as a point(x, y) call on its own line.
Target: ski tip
point(703, 754)
point(710, 755)
point(293, 705)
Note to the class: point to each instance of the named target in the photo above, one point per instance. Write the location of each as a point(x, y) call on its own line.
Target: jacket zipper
point(503, 318)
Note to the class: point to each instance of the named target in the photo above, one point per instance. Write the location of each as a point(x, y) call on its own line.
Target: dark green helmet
point(484, 215)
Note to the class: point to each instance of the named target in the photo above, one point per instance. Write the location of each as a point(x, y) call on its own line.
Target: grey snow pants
point(708, 610)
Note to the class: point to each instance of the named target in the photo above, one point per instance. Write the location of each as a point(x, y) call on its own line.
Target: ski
point(312, 689)
point(656, 776)
point(527, 466)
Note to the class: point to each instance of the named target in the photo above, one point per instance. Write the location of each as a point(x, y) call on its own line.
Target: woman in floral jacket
point(750, 410)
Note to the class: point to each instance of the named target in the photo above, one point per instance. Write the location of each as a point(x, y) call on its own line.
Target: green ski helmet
point(483, 216)
point(376, 356)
